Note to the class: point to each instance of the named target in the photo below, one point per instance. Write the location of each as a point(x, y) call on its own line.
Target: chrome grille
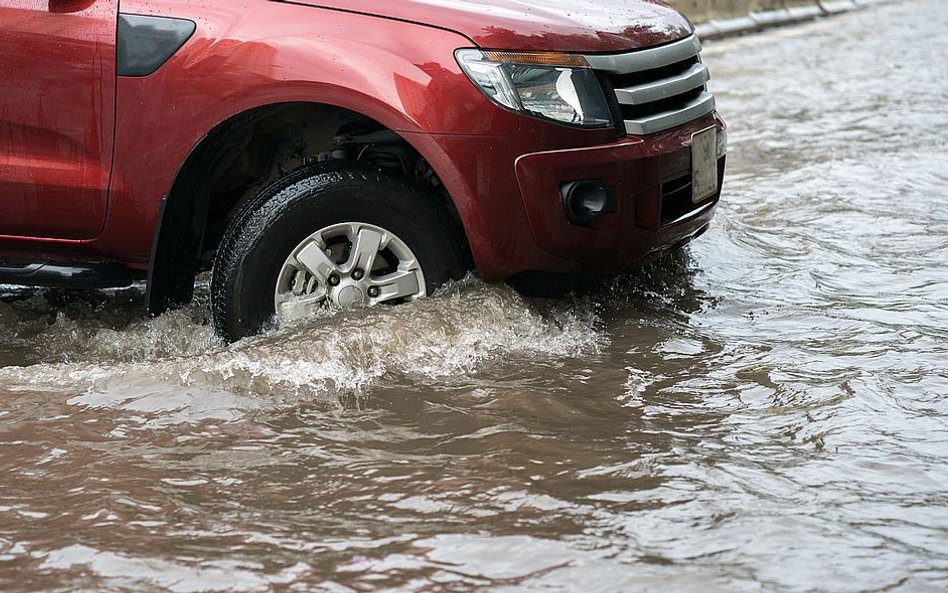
point(660, 87)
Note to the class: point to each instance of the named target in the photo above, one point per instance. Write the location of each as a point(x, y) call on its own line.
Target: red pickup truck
point(346, 152)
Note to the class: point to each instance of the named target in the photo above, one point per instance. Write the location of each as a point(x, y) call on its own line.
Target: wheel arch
point(181, 225)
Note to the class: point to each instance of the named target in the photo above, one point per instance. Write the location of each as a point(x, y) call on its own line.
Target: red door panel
point(57, 112)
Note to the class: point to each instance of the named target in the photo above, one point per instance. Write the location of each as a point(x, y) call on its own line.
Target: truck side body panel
point(57, 75)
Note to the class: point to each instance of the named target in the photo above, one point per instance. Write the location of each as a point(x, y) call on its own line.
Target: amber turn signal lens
point(537, 58)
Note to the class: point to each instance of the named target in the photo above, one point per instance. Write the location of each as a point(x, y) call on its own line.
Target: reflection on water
point(766, 412)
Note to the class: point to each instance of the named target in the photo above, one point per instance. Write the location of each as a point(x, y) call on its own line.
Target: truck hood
point(536, 25)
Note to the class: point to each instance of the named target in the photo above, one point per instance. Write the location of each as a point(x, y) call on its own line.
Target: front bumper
point(652, 176)
point(507, 192)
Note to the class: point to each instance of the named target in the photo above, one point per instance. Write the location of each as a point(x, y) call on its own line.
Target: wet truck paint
point(399, 69)
point(602, 26)
point(57, 76)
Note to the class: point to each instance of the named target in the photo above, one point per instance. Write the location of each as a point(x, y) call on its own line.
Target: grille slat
point(693, 78)
point(702, 105)
point(658, 88)
point(646, 59)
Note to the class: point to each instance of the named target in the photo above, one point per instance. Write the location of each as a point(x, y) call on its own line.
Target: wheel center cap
point(350, 296)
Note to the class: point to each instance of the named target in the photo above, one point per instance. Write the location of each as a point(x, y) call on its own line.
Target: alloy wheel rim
point(347, 265)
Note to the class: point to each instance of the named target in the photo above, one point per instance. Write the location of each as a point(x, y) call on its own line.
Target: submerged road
point(766, 412)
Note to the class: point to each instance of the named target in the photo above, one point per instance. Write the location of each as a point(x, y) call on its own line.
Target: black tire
point(269, 226)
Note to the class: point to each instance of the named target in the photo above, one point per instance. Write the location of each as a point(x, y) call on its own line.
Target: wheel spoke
point(398, 285)
point(314, 259)
point(365, 248)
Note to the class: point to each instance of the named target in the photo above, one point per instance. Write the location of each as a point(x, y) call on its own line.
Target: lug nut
point(358, 274)
point(334, 280)
point(374, 291)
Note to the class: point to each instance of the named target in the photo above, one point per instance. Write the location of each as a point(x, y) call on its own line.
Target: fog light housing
point(585, 201)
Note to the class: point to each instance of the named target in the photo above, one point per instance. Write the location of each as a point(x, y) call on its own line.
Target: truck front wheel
point(332, 236)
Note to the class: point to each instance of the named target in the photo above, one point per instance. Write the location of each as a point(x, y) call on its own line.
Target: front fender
point(248, 55)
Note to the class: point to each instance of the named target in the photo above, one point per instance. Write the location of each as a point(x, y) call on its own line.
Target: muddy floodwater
point(767, 411)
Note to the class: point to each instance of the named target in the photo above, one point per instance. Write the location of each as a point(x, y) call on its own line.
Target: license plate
point(704, 164)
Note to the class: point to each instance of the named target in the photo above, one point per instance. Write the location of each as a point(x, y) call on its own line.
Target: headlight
point(558, 87)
